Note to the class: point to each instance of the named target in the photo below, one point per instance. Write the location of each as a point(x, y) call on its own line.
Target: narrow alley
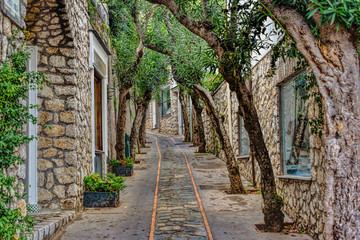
point(179, 211)
point(179, 119)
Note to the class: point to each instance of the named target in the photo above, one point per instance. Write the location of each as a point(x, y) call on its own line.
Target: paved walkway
point(167, 206)
point(178, 213)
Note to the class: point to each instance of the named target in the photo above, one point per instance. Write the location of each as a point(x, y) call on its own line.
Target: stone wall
point(221, 97)
point(7, 29)
point(60, 29)
point(303, 198)
point(49, 28)
point(170, 122)
point(149, 120)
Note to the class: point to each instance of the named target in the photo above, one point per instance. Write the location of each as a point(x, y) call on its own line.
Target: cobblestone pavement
point(178, 214)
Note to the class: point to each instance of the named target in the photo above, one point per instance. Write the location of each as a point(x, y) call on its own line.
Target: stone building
point(71, 46)
point(69, 42)
point(166, 114)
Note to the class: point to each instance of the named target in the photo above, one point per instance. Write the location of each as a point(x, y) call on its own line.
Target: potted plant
point(122, 167)
point(102, 192)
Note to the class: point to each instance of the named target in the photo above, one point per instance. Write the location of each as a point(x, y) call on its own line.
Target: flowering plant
point(127, 162)
point(111, 183)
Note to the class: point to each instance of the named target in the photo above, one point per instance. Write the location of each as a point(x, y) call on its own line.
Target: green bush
point(15, 82)
point(111, 183)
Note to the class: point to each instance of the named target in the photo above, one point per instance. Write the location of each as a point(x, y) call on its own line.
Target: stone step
point(49, 223)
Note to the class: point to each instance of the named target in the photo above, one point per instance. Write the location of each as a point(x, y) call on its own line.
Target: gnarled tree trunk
point(135, 130)
point(111, 118)
point(231, 164)
point(142, 133)
point(335, 63)
point(184, 112)
point(199, 126)
point(121, 124)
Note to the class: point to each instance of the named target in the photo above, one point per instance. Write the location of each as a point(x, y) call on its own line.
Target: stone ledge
point(243, 158)
point(49, 222)
point(290, 177)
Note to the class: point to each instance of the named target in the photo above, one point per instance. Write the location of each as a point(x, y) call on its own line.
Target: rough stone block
point(65, 90)
point(71, 158)
point(43, 164)
point(49, 180)
point(67, 52)
point(52, 50)
point(7, 27)
point(44, 195)
point(54, 105)
point(41, 179)
point(58, 162)
point(70, 131)
point(44, 142)
point(57, 61)
point(65, 175)
point(49, 152)
point(59, 191)
point(65, 143)
point(71, 103)
point(67, 117)
point(55, 131)
point(72, 190)
point(69, 203)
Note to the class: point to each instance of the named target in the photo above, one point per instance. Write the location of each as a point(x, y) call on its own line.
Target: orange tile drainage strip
point(153, 220)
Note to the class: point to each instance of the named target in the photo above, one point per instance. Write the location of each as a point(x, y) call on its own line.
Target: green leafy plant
point(92, 10)
point(14, 114)
point(111, 183)
point(340, 12)
point(127, 162)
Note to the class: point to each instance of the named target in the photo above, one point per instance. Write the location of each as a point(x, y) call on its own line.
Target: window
point(244, 145)
point(13, 9)
point(295, 128)
point(165, 101)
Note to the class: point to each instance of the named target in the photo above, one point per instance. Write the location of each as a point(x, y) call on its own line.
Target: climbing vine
point(14, 114)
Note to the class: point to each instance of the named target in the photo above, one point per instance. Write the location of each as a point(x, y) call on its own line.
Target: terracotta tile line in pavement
point(207, 226)
point(120, 213)
point(153, 218)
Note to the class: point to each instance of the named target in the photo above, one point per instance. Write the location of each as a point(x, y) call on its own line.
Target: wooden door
point(98, 114)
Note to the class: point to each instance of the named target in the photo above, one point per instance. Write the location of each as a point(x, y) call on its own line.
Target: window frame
point(282, 174)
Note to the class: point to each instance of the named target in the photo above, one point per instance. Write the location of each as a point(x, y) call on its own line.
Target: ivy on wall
point(14, 114)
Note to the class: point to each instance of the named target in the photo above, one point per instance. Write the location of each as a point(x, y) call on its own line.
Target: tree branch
point(168, 27)
point(197, 27)
point(157, 49)
point(204, 4)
